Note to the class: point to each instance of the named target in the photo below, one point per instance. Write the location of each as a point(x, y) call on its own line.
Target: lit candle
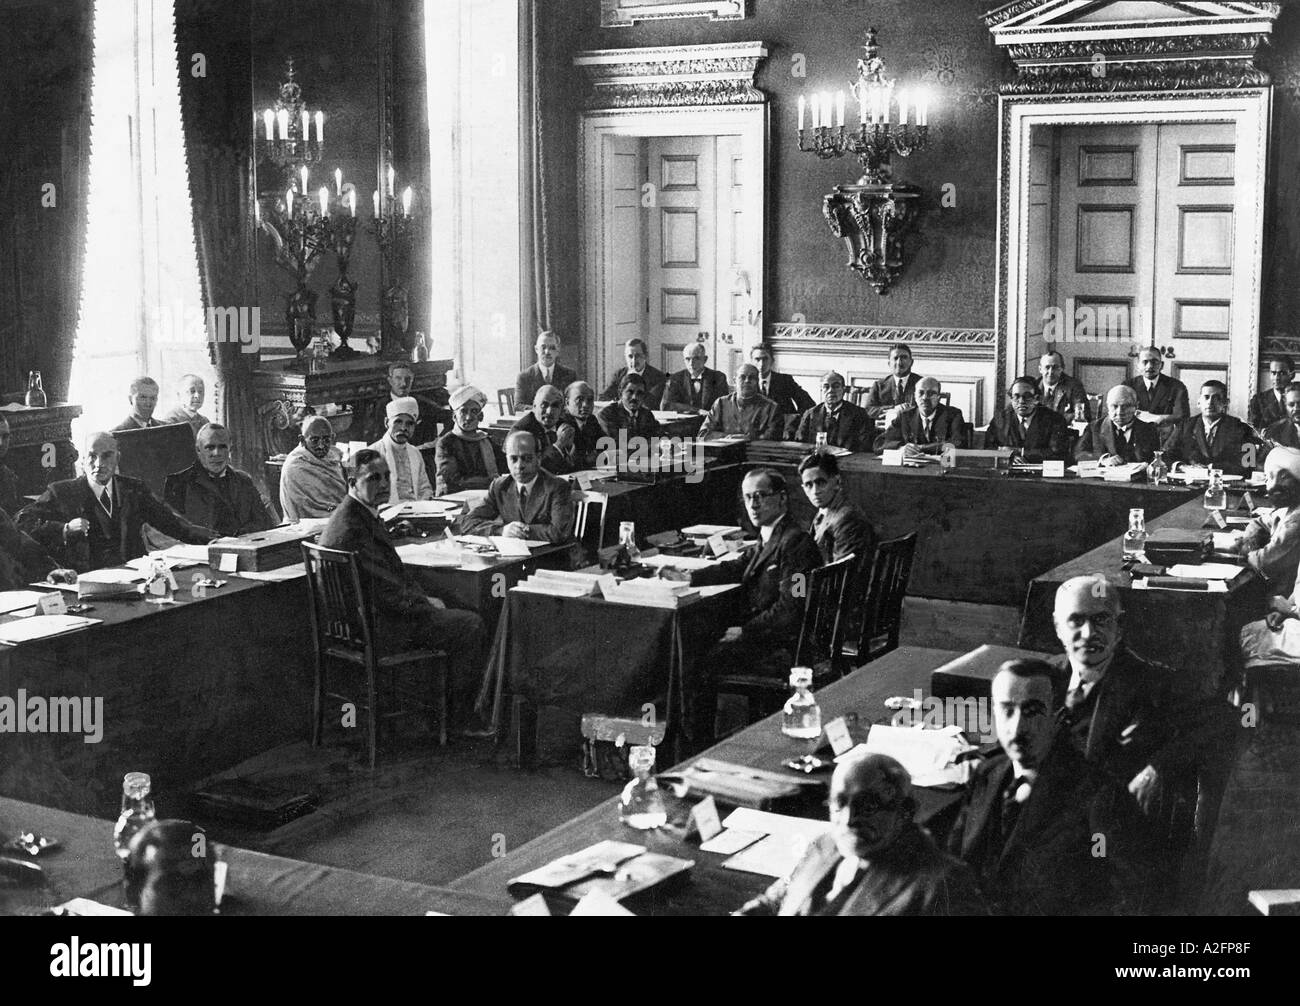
point(391, 176)
point(268, 117)
point(889, 100)
point(923, 109)
point(338, 180)
point(406, 201)
point(306, 126)
point(828, 109)
point(302, 174)
point(902, 108)
point(288, 201)
point(320, 127)
point(324, 194)
point(352, 201)
point(839, 109)
point(376, 204)
point(862, 105)
point(282, 117)
point(257, 213)
point(801, 105)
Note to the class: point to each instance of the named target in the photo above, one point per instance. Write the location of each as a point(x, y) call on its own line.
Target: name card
point(1053, 469)
point(1248, 502)
point(51, 604)
point(717, 544)
point(705, 821)
point(948, 459)
point(1217, 517)
point(892, 459)
point(598, 904)
point(228, 562)
point(608, 584)
point(838, 733)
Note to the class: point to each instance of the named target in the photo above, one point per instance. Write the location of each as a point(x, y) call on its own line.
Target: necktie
point(1075, 697)
point(106, 501)
point(1011, 806)
point(817, 522)
point(928, 437)
point(523, 501)
point(764, 387)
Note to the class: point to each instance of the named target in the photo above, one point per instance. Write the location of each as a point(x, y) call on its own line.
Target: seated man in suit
point(636, 353)
point(312, 483)
point(744, 411)
point(697, 387)
point(409, 477)
point(895, 393)
point(1135, 720)
point(24, 561)
point(212, 493)
point(547, 370)
point(928, 428)
point(791, 400)
point(875, 860)
point(97, 521)
point(580, 408)
point(1269, 406)
point(405, 616)
point(9, 501)
point(1161, 399)
point(189, 399)
point(401, 378)
point(466, 457)
point(143, 396)
point(1286, 431)
point(1027, 426)
point(1271, 544)
point(630, 413)
point(528, 503)
point(550, 424)
point(1120, 437)
point(1033, 816)
point(1060, 392)
point(840, 527)
point(772, 580)
point(844, 424)
point(1214, 438)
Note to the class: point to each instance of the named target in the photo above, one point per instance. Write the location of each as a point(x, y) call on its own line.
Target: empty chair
point(878, 606)
point(589, 523)
point(506, 401)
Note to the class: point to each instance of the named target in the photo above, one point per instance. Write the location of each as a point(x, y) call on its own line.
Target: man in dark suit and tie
point(840, 528)
point(926, 428)
point(1269, 406)
point(528, 503)
point(554, 430)
point(97, 521)
point(791, 400)
point(636, 353)
point(143, 396)
point(213, 493)
point(580, 408)
point(547, 370)
point(1060, 392)
point(1029, 427)
point(630, 413)
point(844, 424)
point(1046, 832)
point(1214, 437)
point(895, 392)
point(1119, 438)
point(1137, 721)
point(697, 387)
point(875, 860)
point(405, 616)
point(1286, 431)
point(1159, 398)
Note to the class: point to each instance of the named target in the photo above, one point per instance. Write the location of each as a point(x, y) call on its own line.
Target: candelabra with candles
point(394, 231)
point(285, 128)
point(873, 214)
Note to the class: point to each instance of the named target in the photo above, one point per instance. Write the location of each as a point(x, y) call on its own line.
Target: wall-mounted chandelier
point(873, 214)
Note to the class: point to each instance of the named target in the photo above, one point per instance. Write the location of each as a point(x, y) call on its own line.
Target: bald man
point(528, 503)
point(1119, 437)
point(929, 427)
point(580, 408)
point(745, 412)
point(1271, 544)
point(845, 424)
point(189, 400)
point(875, 860)
point(554, 430)
point(312, 483)
point(97, 521)
point(214, 493)
point(1160, 398)
point(697, 387)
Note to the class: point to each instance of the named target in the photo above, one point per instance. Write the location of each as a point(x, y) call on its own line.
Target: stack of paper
point(1123, 473)
point(659, 561)
point(930, 756)
point(561, 583)
point(433, 554)
point(781, 848)
point(108, 583)
point(1206, 570)
point(648, 593)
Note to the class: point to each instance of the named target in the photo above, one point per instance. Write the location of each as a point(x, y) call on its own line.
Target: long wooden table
point(711, 889)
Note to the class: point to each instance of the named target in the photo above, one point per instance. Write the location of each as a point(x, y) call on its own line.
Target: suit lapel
point(806, 881)
point(981, 811)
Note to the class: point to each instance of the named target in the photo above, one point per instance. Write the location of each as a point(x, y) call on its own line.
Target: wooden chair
point(882, 585)
point(506, 401)
point(343, 630)
point(857, 392)
point(820, 638)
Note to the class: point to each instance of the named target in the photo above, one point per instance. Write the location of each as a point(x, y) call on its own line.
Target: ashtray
point(32, 843)
point(808, 764)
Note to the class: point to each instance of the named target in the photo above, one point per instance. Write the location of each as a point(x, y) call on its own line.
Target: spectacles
point(759, 496)
point(320, 440)
point(1023, 398)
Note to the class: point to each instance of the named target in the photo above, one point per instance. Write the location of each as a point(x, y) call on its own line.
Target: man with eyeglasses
point(312, 483)
point(928, 428)
point(1269, 406)
point(845, 424)
point(875, 860)
point(1028, 427)
point(840, 527)
point(774, 581)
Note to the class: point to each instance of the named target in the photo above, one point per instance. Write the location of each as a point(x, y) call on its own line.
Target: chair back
point(506, 401)
point(945, 398)
point(857, 392)
point(883, 587)
point(589, 524)
point(823, 628)
point(339, 614)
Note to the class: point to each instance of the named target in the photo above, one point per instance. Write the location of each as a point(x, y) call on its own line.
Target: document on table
point(1226, 541)
point(781, 848)
point(25, 630)
point(274, 575)
point(513, 547)
point(1164, 583)
point(419, 508)
point(470, 497)
point(677, 561)
point(930, 756)
point(15, 600)
point(429, 554)
point(1206, 570)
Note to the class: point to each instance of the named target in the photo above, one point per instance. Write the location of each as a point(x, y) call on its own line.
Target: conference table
point(86, 866)
point(710, 888)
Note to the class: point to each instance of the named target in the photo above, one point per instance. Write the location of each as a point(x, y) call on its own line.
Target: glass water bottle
point(1135, 538)
point(802, 717)
point(35, 391)
point(642, 803)
point(158, 588)
point(1216, 497)
point(1158, 470)
point(627, 539)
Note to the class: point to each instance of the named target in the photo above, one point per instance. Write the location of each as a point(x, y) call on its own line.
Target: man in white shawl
point(1275, 639)
point(312, 483)
point(410, 478)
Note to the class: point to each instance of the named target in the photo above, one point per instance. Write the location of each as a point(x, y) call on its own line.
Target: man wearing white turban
point(1271, 543)
point(466, 457)
point(410, 479)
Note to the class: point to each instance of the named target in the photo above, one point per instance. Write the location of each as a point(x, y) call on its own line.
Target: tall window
point(141, 306)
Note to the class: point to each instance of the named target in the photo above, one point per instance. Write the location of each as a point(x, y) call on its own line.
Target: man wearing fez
point(1029, 427)
point(312, 483)
point(143, 396)
point(405, 615)
point(529, 503)
point(410, 480)
point(92, 522)
point(744, 411)
point(215, 494)
point(875, 860)
point(844, 424)
point(189, 399)
point(1119, 437)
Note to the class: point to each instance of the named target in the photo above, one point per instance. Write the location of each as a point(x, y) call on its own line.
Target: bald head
point(870, 804)
point(1087, 616)
point(927, 395)
point(746, 381)
point(317, 436)
point(580, 399)
point(548, 403)
point(1121, 405)
point(101, 456)
point(523, 456)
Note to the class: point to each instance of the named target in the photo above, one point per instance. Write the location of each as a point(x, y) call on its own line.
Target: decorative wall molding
point(621, 14)
point(808, 337)
point(672, 75)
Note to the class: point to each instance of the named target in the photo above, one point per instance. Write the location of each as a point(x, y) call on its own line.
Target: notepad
point(419, 508)
point(26, 630)
point(429, 555)
point(15, 600)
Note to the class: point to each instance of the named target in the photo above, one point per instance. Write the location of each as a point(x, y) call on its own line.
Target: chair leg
point(439, 705)
point(318, 702)
point(372, 717)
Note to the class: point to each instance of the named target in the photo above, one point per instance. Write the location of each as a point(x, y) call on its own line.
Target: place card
point(892, 458)
point(1053, 469)
point(704, 820)
point(717, 544)
point(839, 735)
point(228, 562)
point(534, 904)
point(1217, 517)
point(51, 604)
